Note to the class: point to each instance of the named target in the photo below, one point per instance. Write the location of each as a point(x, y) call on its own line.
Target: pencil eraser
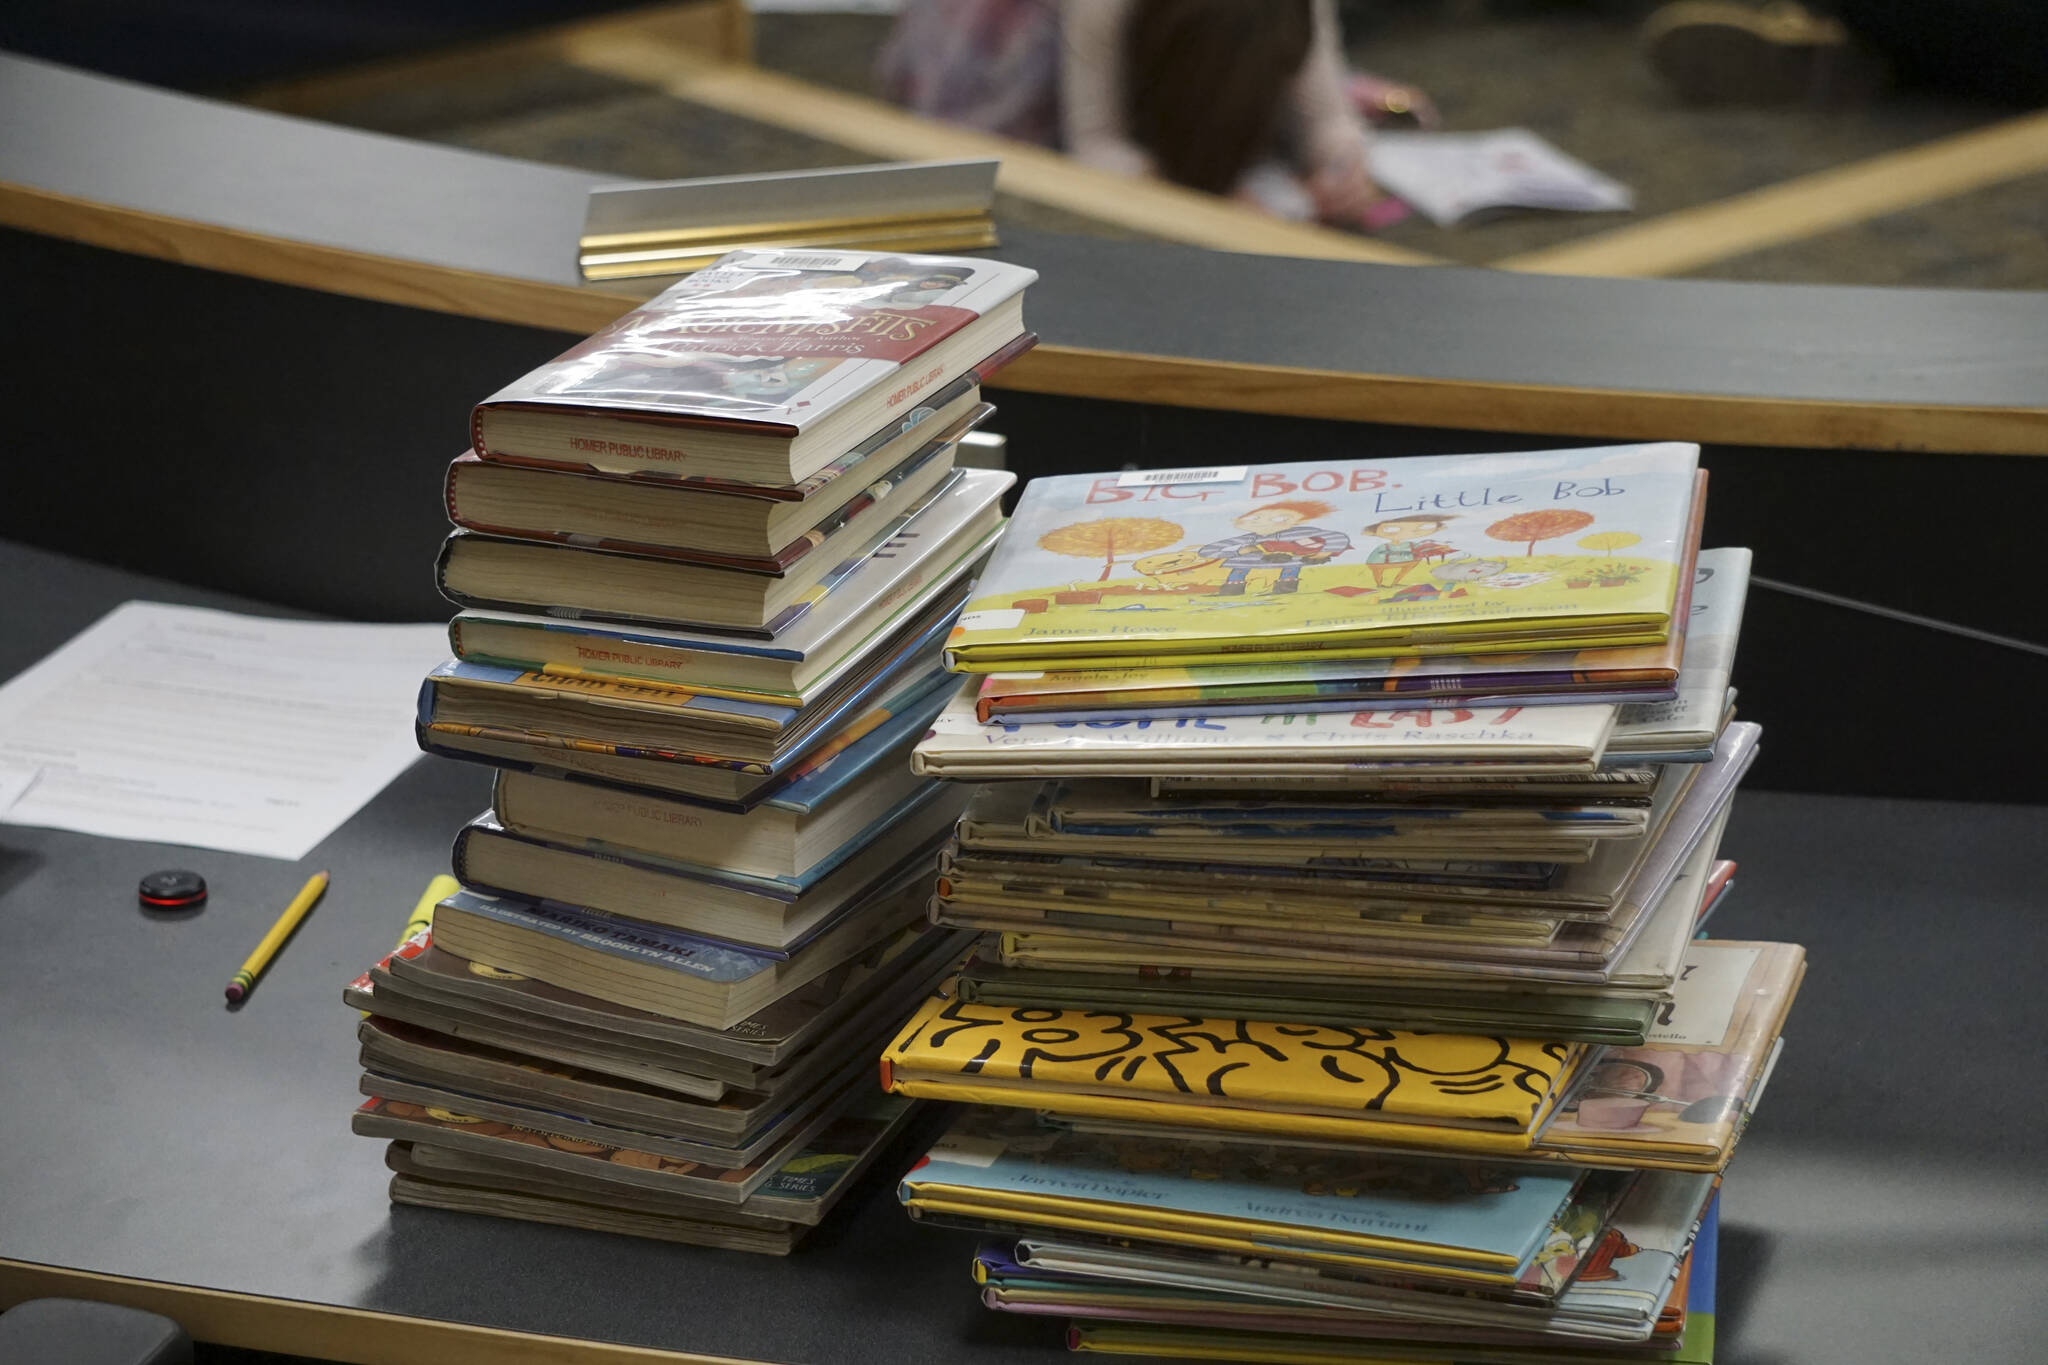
point(236, 992)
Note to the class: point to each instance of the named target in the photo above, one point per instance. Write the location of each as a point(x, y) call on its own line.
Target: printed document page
point(182, 725)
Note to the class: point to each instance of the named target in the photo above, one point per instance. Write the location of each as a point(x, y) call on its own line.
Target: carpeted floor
point(1568, 69)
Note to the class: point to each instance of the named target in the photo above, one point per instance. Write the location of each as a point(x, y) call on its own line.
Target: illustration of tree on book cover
point(1592, 537)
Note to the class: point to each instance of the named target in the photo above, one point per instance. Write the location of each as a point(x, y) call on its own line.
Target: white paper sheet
point(181, 725)
point(1451, 176)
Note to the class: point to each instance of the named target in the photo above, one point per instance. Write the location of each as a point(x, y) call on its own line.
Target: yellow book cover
point(1435, 554)
point(1315, 1079)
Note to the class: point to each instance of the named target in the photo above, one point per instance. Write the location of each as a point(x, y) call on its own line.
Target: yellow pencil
point(279, 932)
point(438, 890)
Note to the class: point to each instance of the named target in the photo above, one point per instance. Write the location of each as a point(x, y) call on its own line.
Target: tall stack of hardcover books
point(707, 560)
point(1348, 833)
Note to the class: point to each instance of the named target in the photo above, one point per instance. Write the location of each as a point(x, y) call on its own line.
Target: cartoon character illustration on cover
point(1276, 536)
point(1406, 546)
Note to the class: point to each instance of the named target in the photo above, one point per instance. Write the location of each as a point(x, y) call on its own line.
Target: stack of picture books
point(707, 561)
point(1347, 835)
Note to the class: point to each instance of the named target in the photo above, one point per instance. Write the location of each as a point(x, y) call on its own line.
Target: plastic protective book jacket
point(1561, 738)
point(1682, 1099)
point(1481, 553)
point(1474, 1213)
point(768, 339)
point(1312, 684)
point(1482, 1093)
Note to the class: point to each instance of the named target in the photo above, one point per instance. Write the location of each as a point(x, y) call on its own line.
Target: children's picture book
point(1632, 1269)
point(1698, 709)
point(1471, 1092)
point(1428, 1211)
point(1552, 550)
point(1682, 1098)
point(1543, 738)
point(1640, 674)
point(764, 367)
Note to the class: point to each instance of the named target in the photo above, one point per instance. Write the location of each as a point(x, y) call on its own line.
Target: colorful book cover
point(1317, 558)
point(1561, 738)
point(1281, 1078)
point(898, 683)
point(1474, 1213)
point(626, 766)
point(776, 339)
point(1640, 674)
point(1683, 1097)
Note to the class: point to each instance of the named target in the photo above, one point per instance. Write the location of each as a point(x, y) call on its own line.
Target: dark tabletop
point(114, 142)
point(1888, 1204)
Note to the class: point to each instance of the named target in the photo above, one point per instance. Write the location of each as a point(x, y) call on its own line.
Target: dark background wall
point(212, 45)
point(289, 445)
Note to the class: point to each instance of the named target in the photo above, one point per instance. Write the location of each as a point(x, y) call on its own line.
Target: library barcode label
point(813, 260)
point(1154, 478)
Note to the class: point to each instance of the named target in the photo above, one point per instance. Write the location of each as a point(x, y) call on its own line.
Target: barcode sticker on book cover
point(1155, 478)
point(843, 261)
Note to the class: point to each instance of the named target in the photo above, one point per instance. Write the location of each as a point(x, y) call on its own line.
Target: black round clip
point(173, 890)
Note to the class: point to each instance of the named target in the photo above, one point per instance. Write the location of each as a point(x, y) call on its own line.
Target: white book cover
point(1693, 717)
point(960, 745)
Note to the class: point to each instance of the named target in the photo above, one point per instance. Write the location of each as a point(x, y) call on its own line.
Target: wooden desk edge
point(327, 1331)
point(1082, 372)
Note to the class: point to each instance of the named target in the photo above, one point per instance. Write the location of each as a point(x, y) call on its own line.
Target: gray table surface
point(1889, 1203)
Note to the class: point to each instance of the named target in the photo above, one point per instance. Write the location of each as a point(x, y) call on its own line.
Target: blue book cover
point(1487, 1209)
point(721, 964)
point(904, 717)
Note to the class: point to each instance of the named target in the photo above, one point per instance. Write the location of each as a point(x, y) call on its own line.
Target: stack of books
point(1347, 835)
point(707, 559)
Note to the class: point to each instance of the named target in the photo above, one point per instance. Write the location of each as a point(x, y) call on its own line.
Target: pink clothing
point(1051, 72)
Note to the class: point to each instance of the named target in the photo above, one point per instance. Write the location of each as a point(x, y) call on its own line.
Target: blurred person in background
point(1247, 98)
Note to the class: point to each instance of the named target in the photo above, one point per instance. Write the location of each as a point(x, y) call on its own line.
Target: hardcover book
point(1465, 1092)
point(763, 367)
point(1681, 1100)
point(906, 579)
point(1349, 559)
point(1423, 1211)
point(578, 580)
point(644, 966)
point(1643, 674)
point(1694, 716)
point(676, 521)
point(1538, 738)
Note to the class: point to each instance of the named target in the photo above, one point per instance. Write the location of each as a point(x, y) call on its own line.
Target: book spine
point(448, 491)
